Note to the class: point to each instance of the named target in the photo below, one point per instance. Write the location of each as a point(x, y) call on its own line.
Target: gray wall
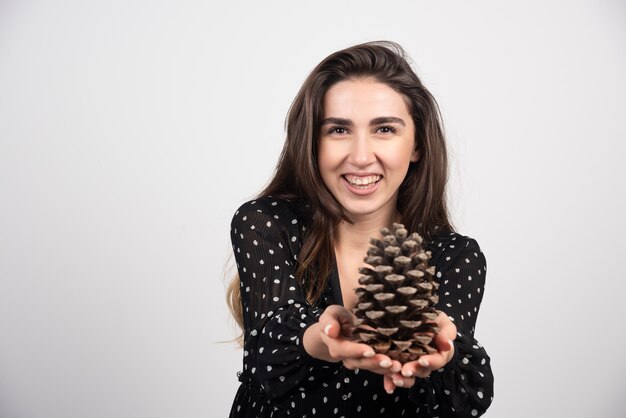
point(131, 130)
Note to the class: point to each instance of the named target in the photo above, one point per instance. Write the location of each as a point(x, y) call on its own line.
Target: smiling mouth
point(362, 182)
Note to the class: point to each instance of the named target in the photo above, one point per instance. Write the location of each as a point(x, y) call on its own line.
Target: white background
point(130, 131)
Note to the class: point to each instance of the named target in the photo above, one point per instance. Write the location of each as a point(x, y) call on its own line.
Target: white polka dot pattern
point(279, 379)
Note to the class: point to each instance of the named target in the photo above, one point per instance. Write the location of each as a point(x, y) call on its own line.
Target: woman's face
point(366, 143)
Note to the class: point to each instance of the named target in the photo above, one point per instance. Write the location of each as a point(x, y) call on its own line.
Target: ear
point(415, 156)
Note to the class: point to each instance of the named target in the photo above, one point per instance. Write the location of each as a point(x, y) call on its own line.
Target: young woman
point(364, 149)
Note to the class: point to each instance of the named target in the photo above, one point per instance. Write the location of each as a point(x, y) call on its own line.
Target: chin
point(369, 206)
point(362, 209)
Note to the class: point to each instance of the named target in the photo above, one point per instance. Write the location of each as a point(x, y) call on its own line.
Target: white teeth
point(363, 181)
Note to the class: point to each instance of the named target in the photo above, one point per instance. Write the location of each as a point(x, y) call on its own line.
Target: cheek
point(326, 156)
point(398, 159)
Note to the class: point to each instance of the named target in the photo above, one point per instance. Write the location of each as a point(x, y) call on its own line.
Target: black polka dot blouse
point(279, 379)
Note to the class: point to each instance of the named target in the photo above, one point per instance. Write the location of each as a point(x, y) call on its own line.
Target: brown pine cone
point(395, 303)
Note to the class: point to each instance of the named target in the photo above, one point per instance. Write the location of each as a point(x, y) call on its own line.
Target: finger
point(443, 343)
point(336, 320)
point(331, 327)
point(433, 361)
point(396, 366)
point(446, 326)
point(418, 368)
point(388, 385)
point(401, 381)
point(367, 361)
point(409, 369)
point(345, 349)
point(383, 362)
point(342, 314)
point(379, 364)
point(443, 356)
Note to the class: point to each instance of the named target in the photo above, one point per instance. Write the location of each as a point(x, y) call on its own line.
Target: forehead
point(363, 97)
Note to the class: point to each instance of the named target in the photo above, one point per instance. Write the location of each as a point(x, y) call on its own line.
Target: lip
point(360, 191)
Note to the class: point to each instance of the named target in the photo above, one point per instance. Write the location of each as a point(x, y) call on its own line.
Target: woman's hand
point(329, 340)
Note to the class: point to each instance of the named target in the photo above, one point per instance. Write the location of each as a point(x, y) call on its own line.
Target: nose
point(362, 151)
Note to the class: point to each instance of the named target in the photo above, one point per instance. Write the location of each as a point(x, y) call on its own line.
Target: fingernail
point(398, 383)
point(451, 344)
point(326, 329)
point(407, 373)
point(389, 391)
point(423, 363)
point(385, 363)
point(369, 354)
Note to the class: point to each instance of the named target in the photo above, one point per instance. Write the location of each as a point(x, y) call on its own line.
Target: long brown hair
point(421, 198)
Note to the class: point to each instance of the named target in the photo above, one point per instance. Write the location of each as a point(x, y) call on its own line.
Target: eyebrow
point(376, 121)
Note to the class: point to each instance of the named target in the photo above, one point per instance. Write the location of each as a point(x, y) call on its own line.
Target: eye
point(339, 130)
point(386, 129)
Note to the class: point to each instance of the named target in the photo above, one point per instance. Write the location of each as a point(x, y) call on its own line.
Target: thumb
point(334, 319)
point(443, 342)
point(331, 328)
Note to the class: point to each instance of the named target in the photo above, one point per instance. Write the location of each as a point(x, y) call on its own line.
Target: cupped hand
point(424, 366)
point(336, 325)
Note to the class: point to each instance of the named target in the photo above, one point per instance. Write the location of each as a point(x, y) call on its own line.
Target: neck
point(356, 235)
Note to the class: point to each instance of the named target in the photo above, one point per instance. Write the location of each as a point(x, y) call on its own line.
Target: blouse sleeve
point(266, 240)
point(464, 387)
